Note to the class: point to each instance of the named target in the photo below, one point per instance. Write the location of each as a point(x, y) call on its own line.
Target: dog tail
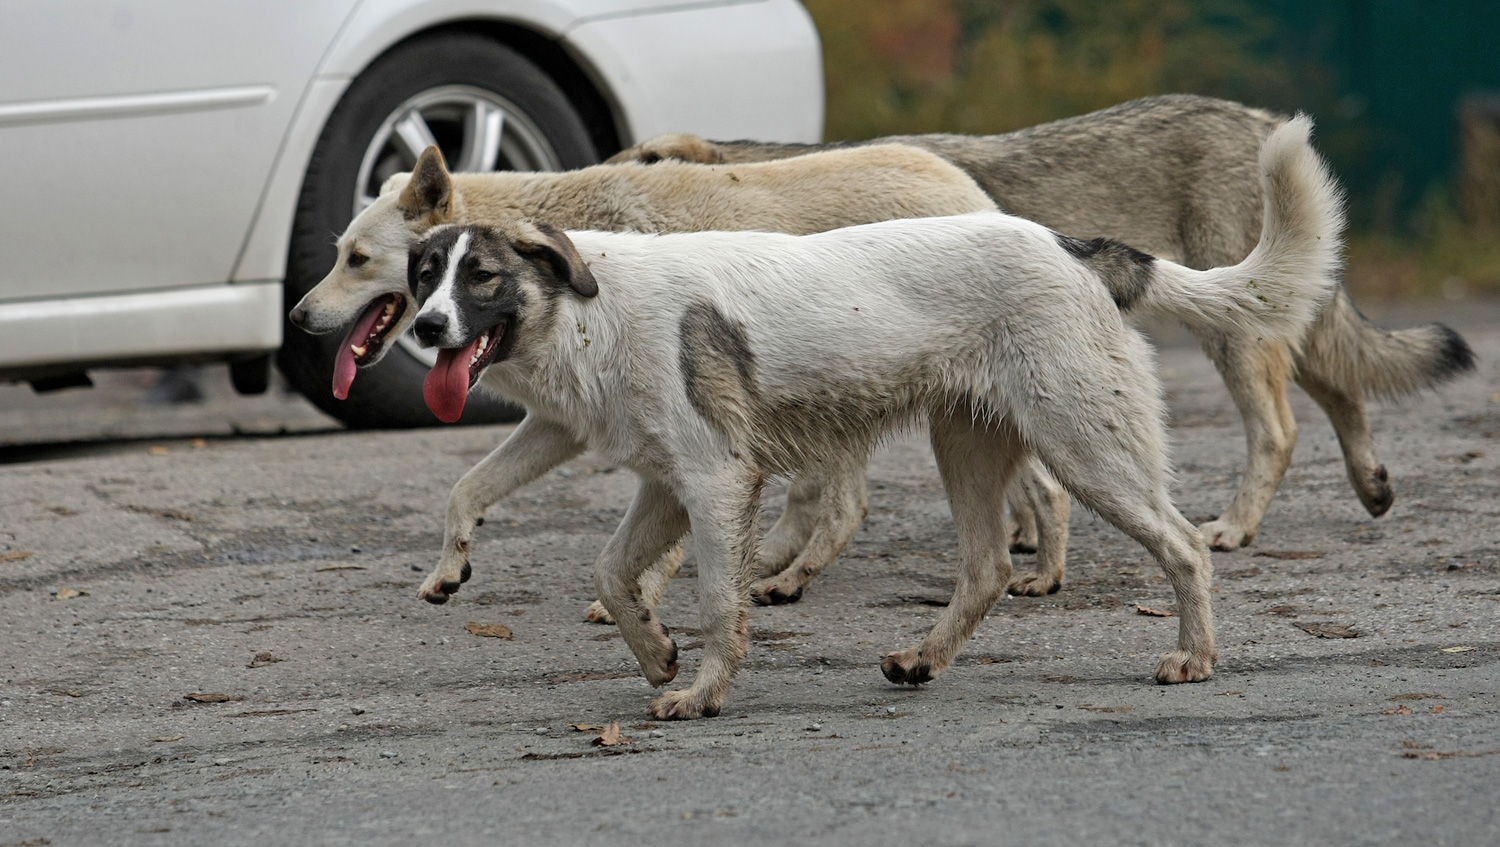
point(1278, 290)
point(1344, 348)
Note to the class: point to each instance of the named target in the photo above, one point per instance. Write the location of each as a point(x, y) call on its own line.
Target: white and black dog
point(709, 362)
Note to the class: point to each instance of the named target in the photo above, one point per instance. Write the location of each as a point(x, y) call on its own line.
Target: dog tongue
point(447, 384)
point(344, 366)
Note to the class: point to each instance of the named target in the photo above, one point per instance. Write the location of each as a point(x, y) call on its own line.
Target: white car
point(174, 172)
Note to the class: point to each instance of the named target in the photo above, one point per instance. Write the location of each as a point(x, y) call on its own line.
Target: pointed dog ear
point(428, 195)
point(553, 246)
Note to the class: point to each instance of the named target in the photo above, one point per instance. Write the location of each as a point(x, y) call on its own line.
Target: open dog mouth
point(365, 339)
point(458, 368)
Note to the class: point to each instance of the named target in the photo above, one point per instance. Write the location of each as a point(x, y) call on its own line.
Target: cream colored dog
point(367, 291)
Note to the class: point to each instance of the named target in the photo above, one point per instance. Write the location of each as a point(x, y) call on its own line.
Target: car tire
point(389, 394)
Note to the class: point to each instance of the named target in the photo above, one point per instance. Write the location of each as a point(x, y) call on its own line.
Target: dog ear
point(414, 256)
point(553, 246)
point(679, 147)
point(428, 195)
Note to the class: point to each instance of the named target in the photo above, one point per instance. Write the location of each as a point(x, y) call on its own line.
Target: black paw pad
point(463, 575)
point(437, 599)
point(450, 588)
point(710, 711)
point(1056, 587)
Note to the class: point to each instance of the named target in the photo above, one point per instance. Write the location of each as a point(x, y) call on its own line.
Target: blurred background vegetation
point(1406, 95)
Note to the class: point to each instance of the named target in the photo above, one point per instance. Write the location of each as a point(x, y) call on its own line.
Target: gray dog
point(1177, 176)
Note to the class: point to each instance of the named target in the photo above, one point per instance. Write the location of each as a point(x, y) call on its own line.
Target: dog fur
point(709, 362)
point(1176, 176)
point(823, 191)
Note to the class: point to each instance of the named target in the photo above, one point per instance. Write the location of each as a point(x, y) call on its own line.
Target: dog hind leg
point(1021, 520)
point(975, 462)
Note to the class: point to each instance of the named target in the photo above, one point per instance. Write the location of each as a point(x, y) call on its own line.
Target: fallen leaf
point(160, 513)
point(340, 566)
point(158, 451)
point(263, 659)
point(69, 593)
point(1155, 613)
point(494, 630)
point(1399, 710)
point(212, 698)
point(1328, 630)
point(1227, 693)
point(1464, 649)
point(263, 713)
point(165, 738)
point(1092, 708)
point(586, 727)
point(1419, 696)
point(15, 557)
point(1436, 710)
point(198, 443)
point(1290, 554)
point(1454, 754)
point(610, 737)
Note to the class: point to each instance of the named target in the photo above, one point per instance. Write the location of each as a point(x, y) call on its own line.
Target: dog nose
point(298, 316)
point(429, 327)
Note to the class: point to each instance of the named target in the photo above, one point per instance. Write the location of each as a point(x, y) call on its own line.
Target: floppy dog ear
point(429, 193)
point(553, 246)
point(414, 257)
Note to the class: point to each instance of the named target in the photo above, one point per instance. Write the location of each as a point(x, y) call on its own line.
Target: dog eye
point(424, 277)
point(357, 259)
point(483, 276)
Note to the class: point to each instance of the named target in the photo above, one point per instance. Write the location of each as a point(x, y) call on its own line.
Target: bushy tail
point(1278, 290)
point(1346, 350)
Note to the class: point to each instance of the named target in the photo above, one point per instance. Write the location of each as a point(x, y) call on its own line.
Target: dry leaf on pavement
point(611, 736)
point(1464, 649)
point(212, 698)
point(494, 630)
point(1328, 630)
point(586, 727)
point(69, 594)
point(340, 566)
point(1154, 613)
point(15, 557)
point(263, 659)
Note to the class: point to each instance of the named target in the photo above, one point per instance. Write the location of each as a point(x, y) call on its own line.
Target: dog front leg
point(842, 507)
point(975, 463)
point(724, 506)
point(654, 522)
point(654, 584)
point(1050, 504)
point(534, 448)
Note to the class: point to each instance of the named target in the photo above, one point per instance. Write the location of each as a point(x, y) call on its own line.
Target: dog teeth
point(484, 343)
point(390, 309)
point(359, 350)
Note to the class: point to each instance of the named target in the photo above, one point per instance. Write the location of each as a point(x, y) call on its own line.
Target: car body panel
point(144, 175)
point(159, 191)
point(187, 322)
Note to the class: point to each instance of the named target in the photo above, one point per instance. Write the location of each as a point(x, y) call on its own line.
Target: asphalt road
point(247, 548)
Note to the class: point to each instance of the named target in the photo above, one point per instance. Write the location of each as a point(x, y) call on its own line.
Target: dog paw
point(776, 591)
point(907, 667)
point(659, 659)
point(1033, 585)
point(684, 706)
point(1224, 536)
point(1375, 492)
point(442, 584)
point(1182, 666)
point(596, 613)
point(1019, 545)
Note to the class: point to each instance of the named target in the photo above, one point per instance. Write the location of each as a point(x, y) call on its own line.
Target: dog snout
point(430, 327)
point(298, 317)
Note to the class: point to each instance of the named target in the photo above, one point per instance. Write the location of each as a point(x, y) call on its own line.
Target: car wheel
point(487, 108)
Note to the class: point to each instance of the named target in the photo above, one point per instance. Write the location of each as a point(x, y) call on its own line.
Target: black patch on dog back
point(718, 367)
point(1124, 270)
